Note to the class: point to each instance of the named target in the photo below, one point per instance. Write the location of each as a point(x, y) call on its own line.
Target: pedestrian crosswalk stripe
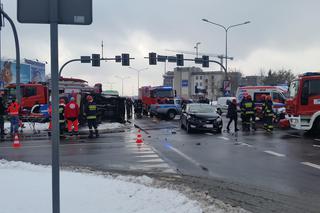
point(274, 153)
point(148, 156)
point(311, 165)
point(151, 161)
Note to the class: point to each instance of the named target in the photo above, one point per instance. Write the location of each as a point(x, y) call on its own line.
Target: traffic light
point(162, 58)
point(180, 61)
point(95, 60)
point(125, 59)
point(205, 61)
point(85, 59)
point(118, 58)
point(152, 58)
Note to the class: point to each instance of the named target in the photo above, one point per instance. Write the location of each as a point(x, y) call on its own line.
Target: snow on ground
point(27, 188)
point(44, 126)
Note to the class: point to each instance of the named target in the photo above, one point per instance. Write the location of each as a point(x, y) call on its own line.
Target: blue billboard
point(30, 71)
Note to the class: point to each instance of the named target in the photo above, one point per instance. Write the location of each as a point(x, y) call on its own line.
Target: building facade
point(192, 83)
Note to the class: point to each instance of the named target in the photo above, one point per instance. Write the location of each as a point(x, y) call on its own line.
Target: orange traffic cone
point(139, 137)
point(16, 142)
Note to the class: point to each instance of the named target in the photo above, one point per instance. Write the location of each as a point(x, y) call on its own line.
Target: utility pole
point(122, 80)
point(197, 49)
point(138, 71)
point(102, 49)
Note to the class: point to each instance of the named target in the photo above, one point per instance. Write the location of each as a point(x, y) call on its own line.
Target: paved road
point(286, 163)
point(257, 171)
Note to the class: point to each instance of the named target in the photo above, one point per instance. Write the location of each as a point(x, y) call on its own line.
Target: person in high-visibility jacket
point(62, 120)
point(268, 113)
point(90, 111)
point(13, 111)
point(71, 114)
point(249, 114)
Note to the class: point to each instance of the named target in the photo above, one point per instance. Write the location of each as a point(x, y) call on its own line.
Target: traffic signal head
point(152, 58)
point(95, 60)
point(125, 59)
point(118, 58)
point(205, 61)
point(180, 61)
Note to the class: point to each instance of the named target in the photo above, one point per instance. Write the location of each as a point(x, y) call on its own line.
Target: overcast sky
point(282, 34)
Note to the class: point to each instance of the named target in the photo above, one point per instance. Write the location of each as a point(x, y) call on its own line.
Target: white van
point(222, 106)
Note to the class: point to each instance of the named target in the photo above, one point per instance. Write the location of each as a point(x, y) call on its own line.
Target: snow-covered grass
point(27, 188)
point(44, 126)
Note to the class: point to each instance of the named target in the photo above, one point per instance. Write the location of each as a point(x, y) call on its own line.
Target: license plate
point(208, 125)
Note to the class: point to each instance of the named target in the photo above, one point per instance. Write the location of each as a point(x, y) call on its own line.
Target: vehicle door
point(310, 96)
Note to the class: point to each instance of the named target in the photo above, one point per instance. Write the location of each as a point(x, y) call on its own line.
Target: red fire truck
point(303, 104)
point(153, 95)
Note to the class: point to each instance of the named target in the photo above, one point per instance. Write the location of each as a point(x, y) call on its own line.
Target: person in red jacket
point(13, 111)
point(71, 114)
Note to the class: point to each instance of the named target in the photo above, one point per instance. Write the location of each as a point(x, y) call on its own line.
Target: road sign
point(76, 12)
point(184, 83)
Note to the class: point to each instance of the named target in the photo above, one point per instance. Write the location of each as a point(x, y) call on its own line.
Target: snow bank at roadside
point(44, 126)
point(27, 188)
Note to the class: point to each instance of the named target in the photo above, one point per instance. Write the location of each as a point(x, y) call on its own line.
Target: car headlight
point(218, 120)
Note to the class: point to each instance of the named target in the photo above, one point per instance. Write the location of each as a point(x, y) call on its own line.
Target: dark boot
point(90, 134)
point(97, 133)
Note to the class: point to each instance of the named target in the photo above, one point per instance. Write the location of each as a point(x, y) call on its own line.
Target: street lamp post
point(122, 79)
point(138, 71)
point(197, 48)
point(226, 30)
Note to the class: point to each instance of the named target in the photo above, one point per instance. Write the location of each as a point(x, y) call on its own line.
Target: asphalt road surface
point(260, 172)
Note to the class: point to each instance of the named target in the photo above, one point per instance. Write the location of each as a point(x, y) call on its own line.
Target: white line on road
point(311, 164)
point(317, 139)
point(208, 133)
point(151, 161)
point(224, 138)
point(185, 156)
point(274, 153)
point(148, 156)
point(243, 144)
point(317, 146)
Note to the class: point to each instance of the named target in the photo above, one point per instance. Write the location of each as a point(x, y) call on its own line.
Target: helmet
point(249, 97)
point(89, 98)
point(62, 101)
point(72, 99)
point(263, 97)
point(268, 98)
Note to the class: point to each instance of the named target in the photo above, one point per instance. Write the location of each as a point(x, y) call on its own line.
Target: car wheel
point(219, 130)
point(171, 114)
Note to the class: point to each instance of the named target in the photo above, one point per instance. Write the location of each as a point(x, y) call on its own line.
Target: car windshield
point(201, 109)
point(293, 90)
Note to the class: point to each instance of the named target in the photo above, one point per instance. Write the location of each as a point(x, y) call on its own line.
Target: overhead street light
point(197, 48)
point(226, 30)
point(122, 79)
point(138, 71)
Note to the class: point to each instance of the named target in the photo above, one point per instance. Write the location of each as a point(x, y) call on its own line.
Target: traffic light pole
point(15, 34)
point(74, 60)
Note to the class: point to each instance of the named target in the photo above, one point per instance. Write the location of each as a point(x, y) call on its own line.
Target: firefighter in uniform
point(268, 113)
point(91, 114)
point(71, 114)
point(62, 120)
point(243, 111)
point(13, 111)
point(249, 114)
point(263, 106)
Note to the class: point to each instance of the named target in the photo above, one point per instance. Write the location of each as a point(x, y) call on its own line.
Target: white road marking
point(148, 156)
point(208, 133)
point(274, 153)
point(311, 164)
point(317, 139)
point(185, 156)
point(244, 144)
point(317, 146)
point(224, 138)
point(151, 161)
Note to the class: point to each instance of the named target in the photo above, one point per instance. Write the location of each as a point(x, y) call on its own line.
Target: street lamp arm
point(210, 22)
point(235, 25)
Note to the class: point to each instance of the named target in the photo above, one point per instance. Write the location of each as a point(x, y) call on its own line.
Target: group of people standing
point(12, 110)
point(69, 116)
point(248, 109)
